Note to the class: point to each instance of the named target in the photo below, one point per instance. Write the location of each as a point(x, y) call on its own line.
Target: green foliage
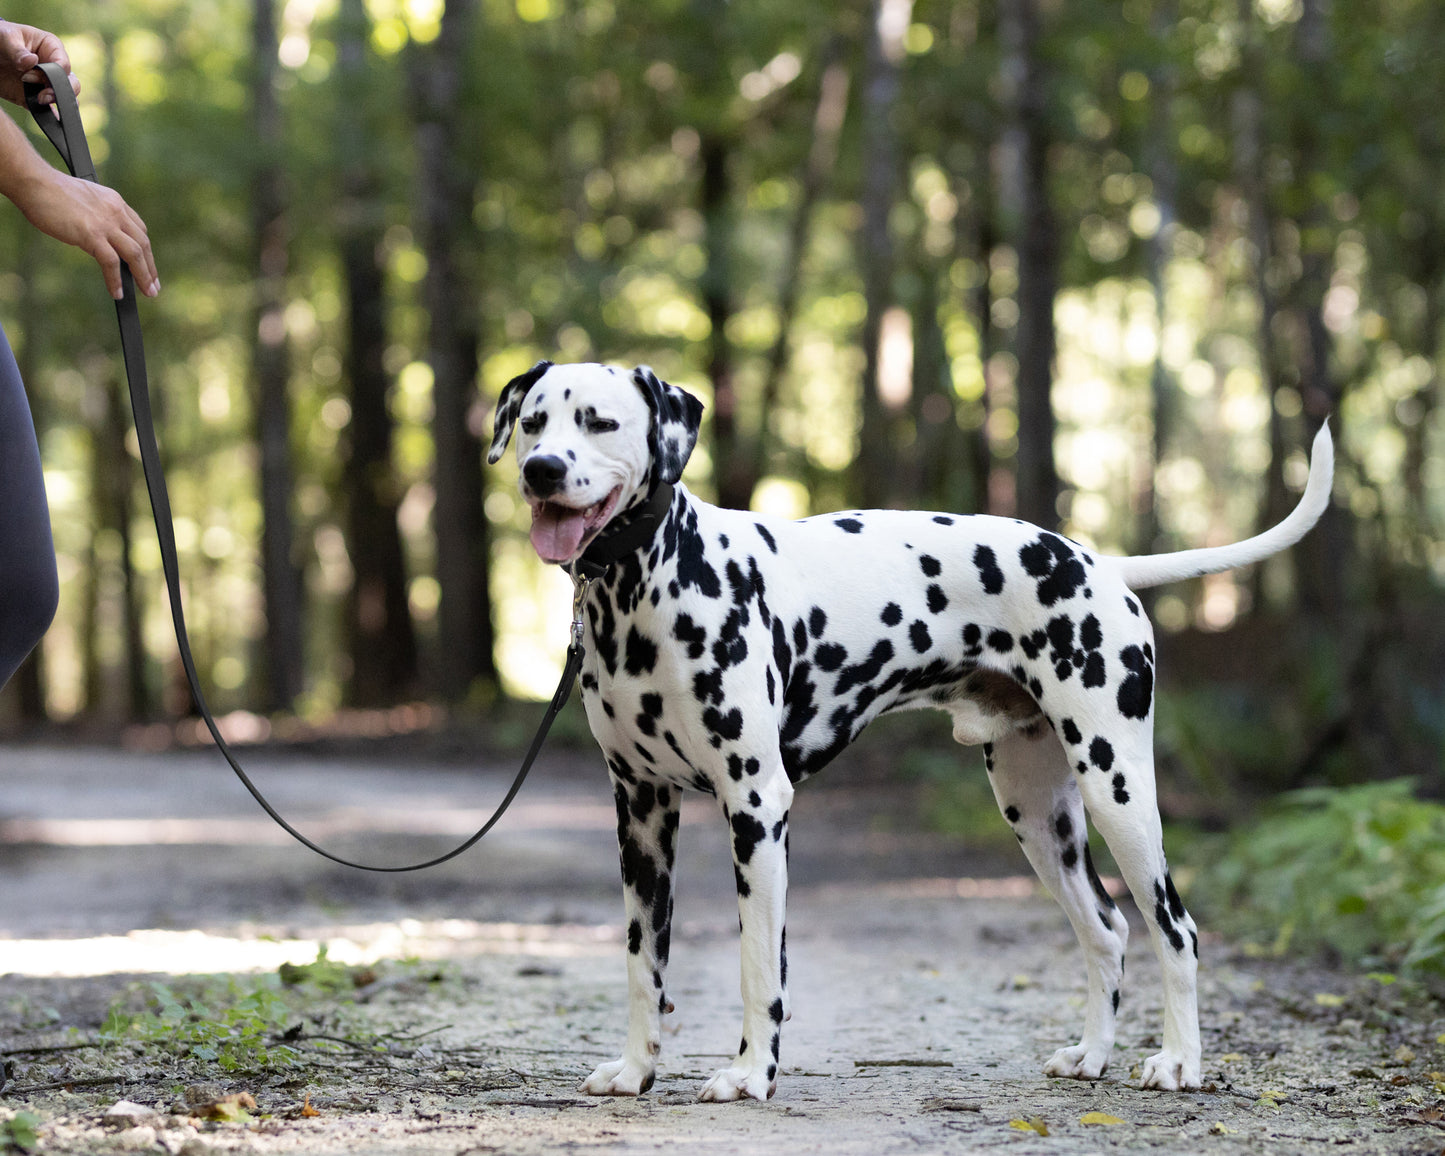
point(325, 974)
point(229, 1022)
point(18, 1133)
point(1358, 872)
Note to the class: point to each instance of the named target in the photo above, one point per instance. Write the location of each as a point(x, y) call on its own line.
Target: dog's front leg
point(757, 811)
point(647, 821)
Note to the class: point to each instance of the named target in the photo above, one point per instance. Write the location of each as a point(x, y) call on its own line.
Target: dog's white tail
point(1157, 569)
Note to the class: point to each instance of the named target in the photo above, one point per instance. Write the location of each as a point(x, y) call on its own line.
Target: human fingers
point(42, 47)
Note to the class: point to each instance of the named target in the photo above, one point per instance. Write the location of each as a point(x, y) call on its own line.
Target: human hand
point(96, 219)
point(21, 49)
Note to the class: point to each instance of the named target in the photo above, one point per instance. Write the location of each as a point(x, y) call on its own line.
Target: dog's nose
point(544, 475)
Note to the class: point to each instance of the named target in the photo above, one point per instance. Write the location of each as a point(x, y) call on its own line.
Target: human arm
point(80, 213)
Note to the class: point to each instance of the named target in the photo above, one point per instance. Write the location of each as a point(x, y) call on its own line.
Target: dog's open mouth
point(560, 533)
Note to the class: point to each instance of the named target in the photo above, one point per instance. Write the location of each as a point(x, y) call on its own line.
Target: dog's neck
point(629, 532)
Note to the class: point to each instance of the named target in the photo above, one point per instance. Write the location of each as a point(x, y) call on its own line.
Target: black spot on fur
point(1000, 640)
point(1101, 753)
point(930, 565)
point(1070, 857)
point(937, 599)
point(766, 537)
point(989, 573)
point(747, 834)
point(1164, 920)
point(830, 656)
point(1063, 826)
point(775, 1011)
point(1176, 905)
point(1070, 732)
point(1136, 692)
point(943, 520)
point(1011, 813)
point(1121, 796)
point(892, 614)
point(849, 525)
point(724, 727)
point(817, 622)
point(686, 631)
point(919, 636)
point(640, 654)
point(634, 937)
point(1058, 569)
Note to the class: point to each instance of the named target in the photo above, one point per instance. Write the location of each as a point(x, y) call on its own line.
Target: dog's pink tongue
point(557, 532)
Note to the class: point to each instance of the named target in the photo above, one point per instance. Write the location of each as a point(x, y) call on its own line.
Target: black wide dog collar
point(626, 535)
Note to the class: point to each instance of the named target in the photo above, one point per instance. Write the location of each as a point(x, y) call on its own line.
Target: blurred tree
point(1028, 84)
point(380, 641)
point(875, 480)
point(270, 369)
point(444, 202)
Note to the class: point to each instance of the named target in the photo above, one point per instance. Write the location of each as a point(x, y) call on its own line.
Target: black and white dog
point(736, 654)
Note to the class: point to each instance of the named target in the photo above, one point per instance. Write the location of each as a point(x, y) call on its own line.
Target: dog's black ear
point(676, 419)
point(509, 405)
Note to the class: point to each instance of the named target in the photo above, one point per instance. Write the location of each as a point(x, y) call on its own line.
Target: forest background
point(1102, 266)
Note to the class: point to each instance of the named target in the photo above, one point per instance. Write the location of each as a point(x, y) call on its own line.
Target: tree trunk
point(270, 368)
point(874, 466)
point(1325, 558)
point(1164, 174)
point(729, 457)
point(116, 482)
point(444, 206)
point(1036, 481)
point(827, 126)
point(379, 633)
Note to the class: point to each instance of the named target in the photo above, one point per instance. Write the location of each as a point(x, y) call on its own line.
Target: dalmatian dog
point(736, 654)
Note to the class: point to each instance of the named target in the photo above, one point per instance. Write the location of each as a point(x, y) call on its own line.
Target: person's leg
point(29, 586)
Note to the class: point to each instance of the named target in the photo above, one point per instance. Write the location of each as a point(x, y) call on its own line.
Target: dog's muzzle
point(544, 475)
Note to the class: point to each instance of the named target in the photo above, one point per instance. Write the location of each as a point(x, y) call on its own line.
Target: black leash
point(68, 137)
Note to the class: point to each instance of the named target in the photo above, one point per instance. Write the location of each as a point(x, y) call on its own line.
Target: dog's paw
point(1080, 1062)
point(737, 1083)
point(619, 1078)
point(1170, 1073)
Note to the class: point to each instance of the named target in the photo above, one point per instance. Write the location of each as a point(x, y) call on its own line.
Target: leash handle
point(68, 137)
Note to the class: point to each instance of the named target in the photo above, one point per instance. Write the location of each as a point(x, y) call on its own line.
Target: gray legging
point(29, 587)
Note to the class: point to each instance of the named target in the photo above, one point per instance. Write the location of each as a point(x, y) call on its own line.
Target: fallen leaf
point(1020, 982)
point(1221, 1130)
point(1383, 978)
point(1404, 1055)
point(1032, 1124)
point(307, 1109)
point(228, 1109)
point(1231, 1058)
point(1329, 999)
point(1100, 1118)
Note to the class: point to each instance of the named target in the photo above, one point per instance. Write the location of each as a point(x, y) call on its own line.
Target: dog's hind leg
point(757, 811)
point(1118, 789)
point(647, 820)
point(1036, 792)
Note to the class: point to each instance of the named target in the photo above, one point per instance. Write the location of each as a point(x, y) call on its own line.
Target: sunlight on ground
point(258, 829)
point(197, 952)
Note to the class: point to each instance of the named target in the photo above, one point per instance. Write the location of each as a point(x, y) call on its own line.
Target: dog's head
point(591, 441)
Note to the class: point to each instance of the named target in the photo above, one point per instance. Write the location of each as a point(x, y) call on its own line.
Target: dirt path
point(928, 985)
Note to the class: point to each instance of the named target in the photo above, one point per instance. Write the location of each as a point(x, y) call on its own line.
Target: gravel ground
point(930, 983)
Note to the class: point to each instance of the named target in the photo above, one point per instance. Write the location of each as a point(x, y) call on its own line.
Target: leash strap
point(68, 137)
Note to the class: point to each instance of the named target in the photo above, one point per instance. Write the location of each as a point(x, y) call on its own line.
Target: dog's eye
point(601, 425)
point(533, 423)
